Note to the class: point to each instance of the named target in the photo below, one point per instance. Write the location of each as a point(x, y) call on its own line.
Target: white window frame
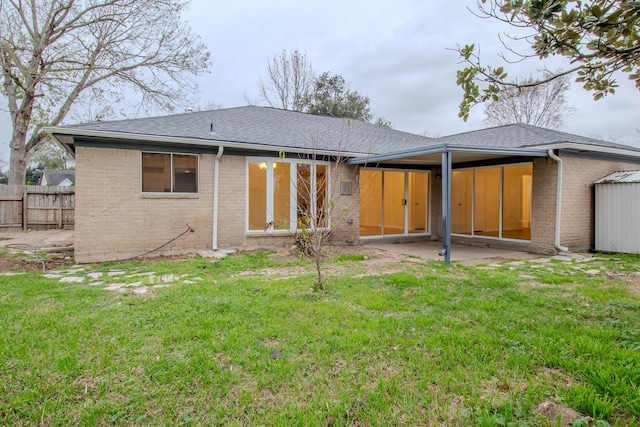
point(293, 196)
point(171, 173)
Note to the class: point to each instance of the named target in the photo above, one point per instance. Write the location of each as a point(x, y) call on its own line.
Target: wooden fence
point(35, 207)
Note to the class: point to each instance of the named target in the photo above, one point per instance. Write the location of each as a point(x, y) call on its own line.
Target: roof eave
point(572, 146)
point(56, 132)
point(442, 148)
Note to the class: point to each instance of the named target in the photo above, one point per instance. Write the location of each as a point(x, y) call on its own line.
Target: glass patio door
point(393, 203)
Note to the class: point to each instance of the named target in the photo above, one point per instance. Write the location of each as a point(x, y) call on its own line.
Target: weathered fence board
point(36, 207)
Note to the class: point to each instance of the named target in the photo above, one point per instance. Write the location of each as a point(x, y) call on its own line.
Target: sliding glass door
point(393, 203)
point(492, 201)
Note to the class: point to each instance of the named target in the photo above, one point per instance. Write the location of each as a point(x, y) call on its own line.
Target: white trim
point(293, 192)
point(632, 152)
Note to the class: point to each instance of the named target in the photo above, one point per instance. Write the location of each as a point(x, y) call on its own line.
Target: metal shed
point(617, 221)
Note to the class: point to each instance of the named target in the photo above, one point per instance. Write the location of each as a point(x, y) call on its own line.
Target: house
point(61, 178)
point(240, 178)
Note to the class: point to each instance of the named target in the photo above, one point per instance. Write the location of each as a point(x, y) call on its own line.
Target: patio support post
point(446, 207)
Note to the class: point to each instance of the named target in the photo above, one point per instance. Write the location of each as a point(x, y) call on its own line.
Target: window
point(283, 194)
point(169, 173)
point(492, 201)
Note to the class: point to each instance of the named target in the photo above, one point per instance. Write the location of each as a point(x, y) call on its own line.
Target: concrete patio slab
point(459, 253)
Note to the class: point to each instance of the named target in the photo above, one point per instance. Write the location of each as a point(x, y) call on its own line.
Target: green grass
point(431, 345)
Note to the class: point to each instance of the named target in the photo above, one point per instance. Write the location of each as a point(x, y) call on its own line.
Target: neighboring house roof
point(272, 129)
point(58, 177)
point(620, 177)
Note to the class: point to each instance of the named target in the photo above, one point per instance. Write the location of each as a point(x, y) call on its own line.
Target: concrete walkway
point(459, 253)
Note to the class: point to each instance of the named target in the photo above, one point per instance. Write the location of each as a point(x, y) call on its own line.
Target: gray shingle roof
point(521, 135)
point(272, 127)
point(269, 127)
point(55, 177)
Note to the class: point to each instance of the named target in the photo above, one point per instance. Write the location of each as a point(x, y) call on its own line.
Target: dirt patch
point(28, 262)
point(559, 414)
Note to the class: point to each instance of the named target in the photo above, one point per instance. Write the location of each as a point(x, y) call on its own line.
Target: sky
point(396, 53)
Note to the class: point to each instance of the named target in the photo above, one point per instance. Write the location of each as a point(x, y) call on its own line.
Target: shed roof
point(620, 177)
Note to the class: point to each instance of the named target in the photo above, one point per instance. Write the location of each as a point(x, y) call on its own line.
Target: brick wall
point(577, 228)
point(577, 220)
point(346, 211)
point(543, 205)
point(114, 220)
point(232, 195)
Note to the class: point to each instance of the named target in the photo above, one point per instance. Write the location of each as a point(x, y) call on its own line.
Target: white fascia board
point(52, 131)
point(592, 148)
point(396, 155)
point(438, 149)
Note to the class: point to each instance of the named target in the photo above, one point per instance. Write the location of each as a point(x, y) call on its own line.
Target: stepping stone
point(72, 279)
point(116, 273)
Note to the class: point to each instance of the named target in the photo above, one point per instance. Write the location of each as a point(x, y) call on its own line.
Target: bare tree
point(52, 51)
point(289, 79)
point(542, 105)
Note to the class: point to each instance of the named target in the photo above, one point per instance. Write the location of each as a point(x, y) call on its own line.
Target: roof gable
point(58, 177)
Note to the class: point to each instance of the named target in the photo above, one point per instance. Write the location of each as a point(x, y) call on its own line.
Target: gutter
point(630, 152)
point(558, 160)
point(216, 170)
point(55, 133)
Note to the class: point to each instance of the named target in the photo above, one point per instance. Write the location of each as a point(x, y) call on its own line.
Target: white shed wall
point(618, 217)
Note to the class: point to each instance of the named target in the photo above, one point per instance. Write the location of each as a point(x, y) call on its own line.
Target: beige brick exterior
point(577, 219)
point(578, 208)
point(115, 220)
point(232, 195)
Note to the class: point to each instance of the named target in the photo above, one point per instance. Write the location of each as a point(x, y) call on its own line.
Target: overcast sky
point(394, 52)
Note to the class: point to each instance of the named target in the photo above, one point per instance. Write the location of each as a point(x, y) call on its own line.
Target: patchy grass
point(435, 345)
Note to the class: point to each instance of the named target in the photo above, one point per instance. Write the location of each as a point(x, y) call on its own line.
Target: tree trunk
point(18, 159)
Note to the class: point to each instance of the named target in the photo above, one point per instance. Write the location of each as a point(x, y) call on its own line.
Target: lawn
point(245, 341)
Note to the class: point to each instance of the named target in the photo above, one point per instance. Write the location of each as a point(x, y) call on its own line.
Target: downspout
point(558, 160)
point(214, 242)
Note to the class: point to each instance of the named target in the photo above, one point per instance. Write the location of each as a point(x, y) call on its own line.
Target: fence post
point(25, 210)
point(60, 196)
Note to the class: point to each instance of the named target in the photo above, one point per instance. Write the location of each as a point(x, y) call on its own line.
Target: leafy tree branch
point(600, 38)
